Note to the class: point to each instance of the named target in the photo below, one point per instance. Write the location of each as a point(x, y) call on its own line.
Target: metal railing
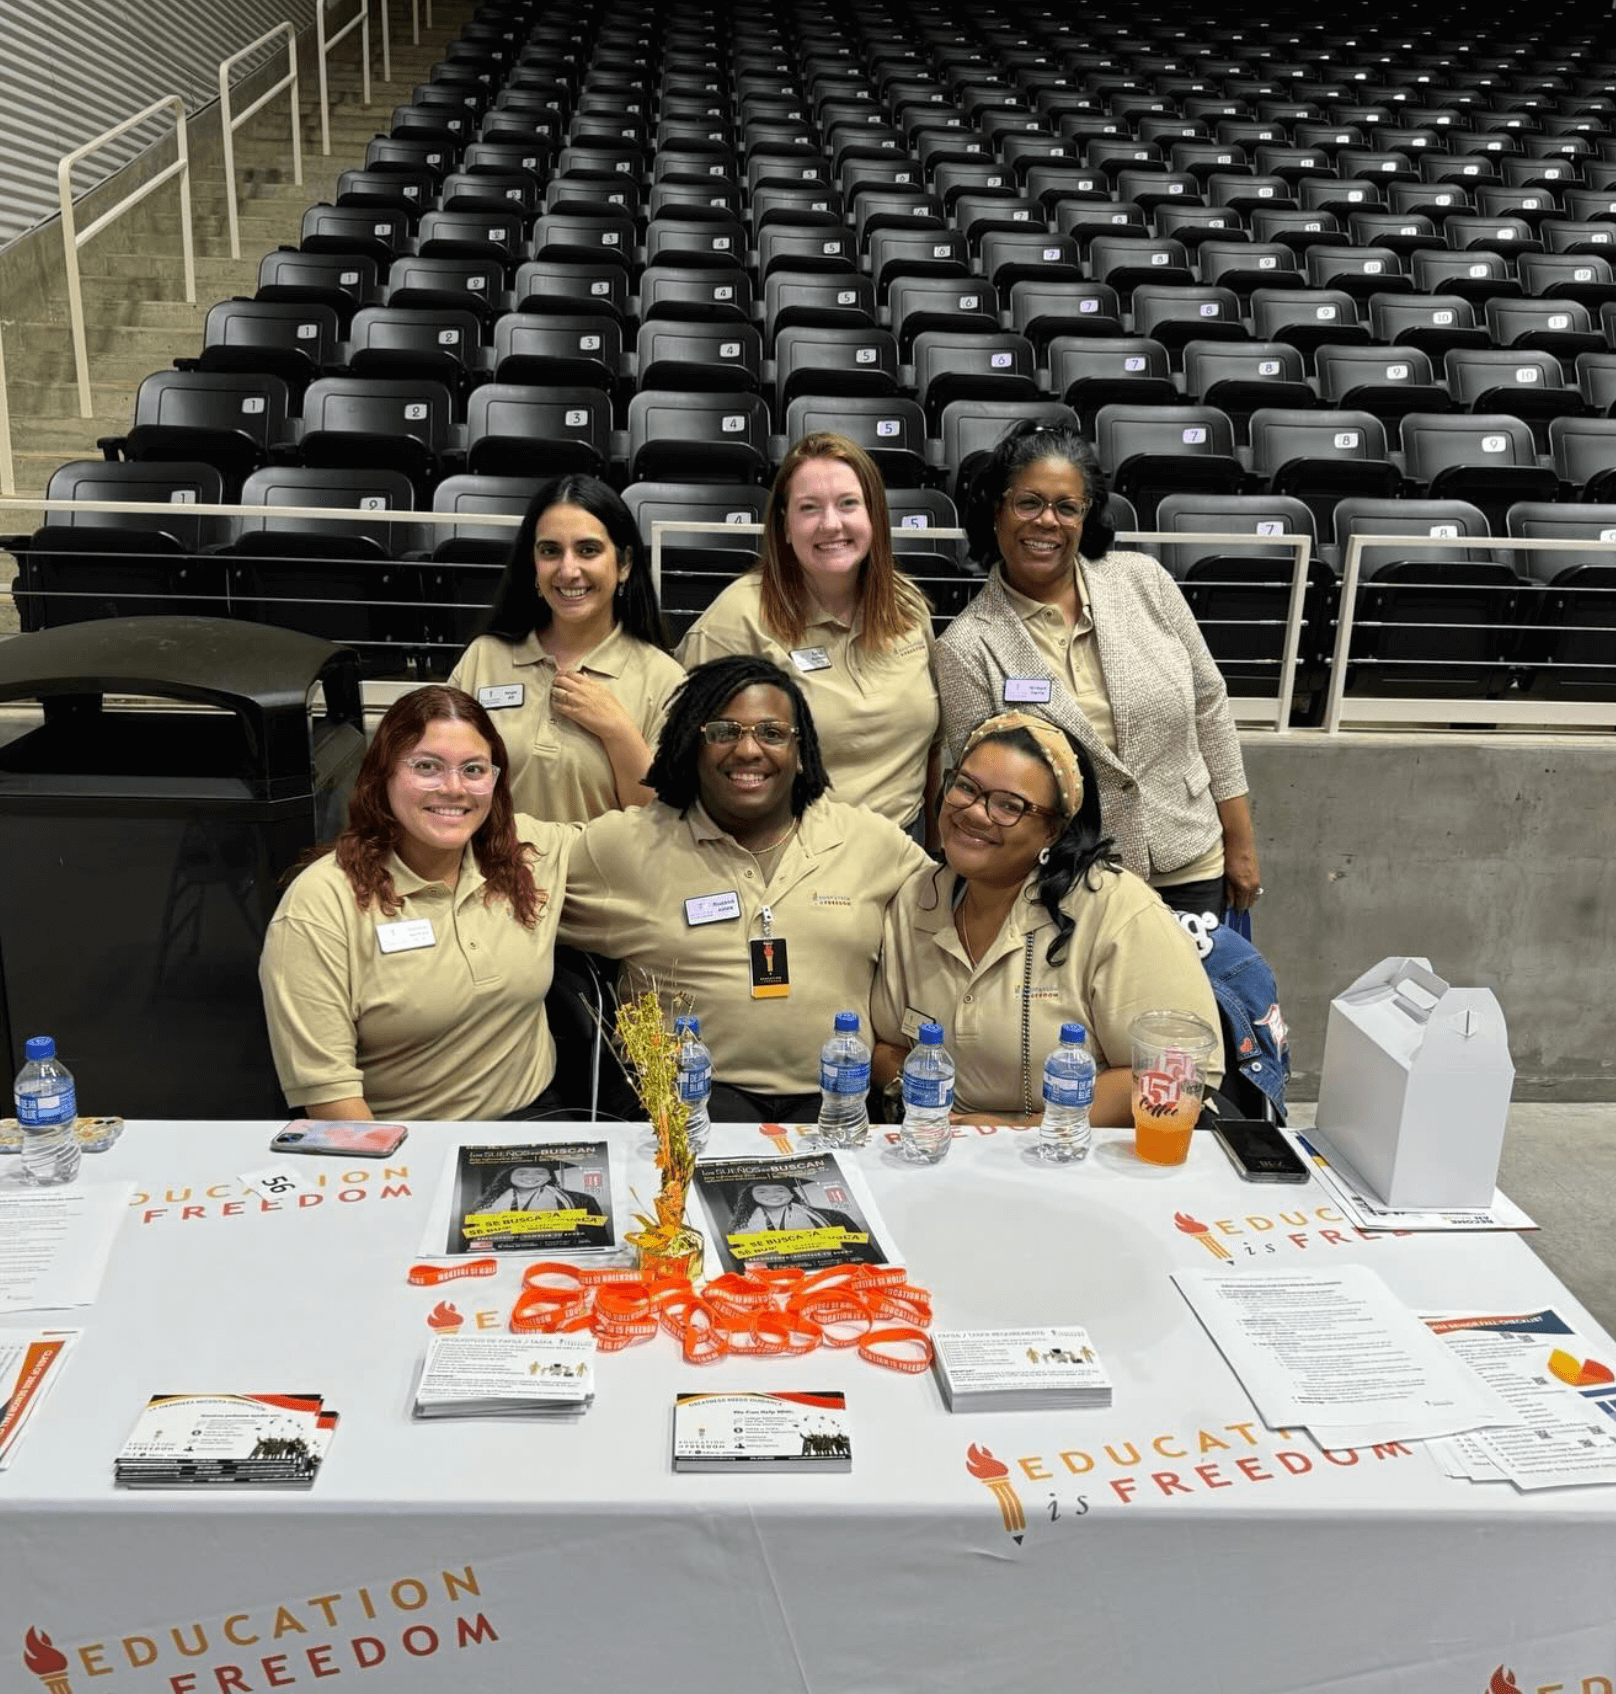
point(228, 125)
point(324, 43)
point(8, 473)
point(1274, 713)
point(1340, 708)
point(73, 239)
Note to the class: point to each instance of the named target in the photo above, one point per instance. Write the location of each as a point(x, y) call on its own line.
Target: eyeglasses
point(1029, 507)
point(725, 732)
point(477, 776)
point(1003, 806)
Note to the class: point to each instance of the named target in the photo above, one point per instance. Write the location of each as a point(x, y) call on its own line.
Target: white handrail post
point(1343, 633)
point(324, 43)
point(387, 45)
point(364, 40)
point(1293, 633)
point(74, 238)
point(228, 125)
point(8, 474)
point(415, 22)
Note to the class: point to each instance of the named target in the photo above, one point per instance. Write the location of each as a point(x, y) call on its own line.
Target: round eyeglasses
point(1029, 507)
point(725, 732)
point(1002, 805)
point(477, 776)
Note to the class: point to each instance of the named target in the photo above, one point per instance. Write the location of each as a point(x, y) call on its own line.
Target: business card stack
point(227, 1441)
point(507, 1376)
point(775, 1432)
point(1019, 1370)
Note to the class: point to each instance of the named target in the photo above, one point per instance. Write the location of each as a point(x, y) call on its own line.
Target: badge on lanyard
point(771, 972)
point(1032, 689)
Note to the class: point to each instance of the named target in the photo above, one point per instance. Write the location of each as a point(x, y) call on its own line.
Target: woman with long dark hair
point(405, 971)
point(827, 602)
point(574, 665)
point(744, 892)
point(1030, 923)
point(1099, 641)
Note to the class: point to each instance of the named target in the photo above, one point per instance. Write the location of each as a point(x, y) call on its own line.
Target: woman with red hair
point(405, 971)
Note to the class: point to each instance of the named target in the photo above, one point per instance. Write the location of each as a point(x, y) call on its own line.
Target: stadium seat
point(341, 281)
point(571, 285)
point(232, 420)
point(401, 424)
point(1322, 457)
point(1433, 323)
point(1584, 454)
point(1561, 327)
point(1387, 381)
point(1089, 371)
point(295, 340)
point(1239, 377)
point(969, 429)
point(676, 353)
point(703, 437)
point(1566, 651)
point(955, 365)
point(891, 429)
point(1488, 458)
point(1157, 450)
point(520, 429)
point(814, 297)
point(418, 343)
point(1475, 276)
point(1526, 383)
point(1307, 318)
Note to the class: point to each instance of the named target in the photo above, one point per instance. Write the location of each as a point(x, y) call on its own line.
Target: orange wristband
point(429, 1276)
point(902, 1336)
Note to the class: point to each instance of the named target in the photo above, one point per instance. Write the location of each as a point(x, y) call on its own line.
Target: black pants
point(729, 1104)
point(1203, 896)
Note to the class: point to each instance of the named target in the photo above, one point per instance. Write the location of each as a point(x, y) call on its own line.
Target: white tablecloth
point(1171, 1543)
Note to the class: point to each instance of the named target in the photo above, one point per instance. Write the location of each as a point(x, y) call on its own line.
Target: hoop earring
point(1043, 856)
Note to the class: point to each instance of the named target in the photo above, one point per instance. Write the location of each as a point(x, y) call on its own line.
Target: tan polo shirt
point(558, 769)
point(1074, 657)
point(876, 713)
point(454, 1029)
point(1127, 954)
point(677, 900)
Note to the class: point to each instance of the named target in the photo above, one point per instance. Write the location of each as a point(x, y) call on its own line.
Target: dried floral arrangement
point(666, 1244)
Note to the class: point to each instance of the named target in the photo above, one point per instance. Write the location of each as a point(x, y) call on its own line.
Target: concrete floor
point(1559, 1167)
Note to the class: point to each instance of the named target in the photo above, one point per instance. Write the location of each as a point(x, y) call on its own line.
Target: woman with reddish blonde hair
point(405, 971)
point(826, 602)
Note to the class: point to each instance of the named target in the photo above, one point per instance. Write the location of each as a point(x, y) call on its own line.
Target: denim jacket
point(1243, 985)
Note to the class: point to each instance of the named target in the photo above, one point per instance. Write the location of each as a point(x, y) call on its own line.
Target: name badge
point(913, 1019)
point(406, 935)
point(1034, 689)
point(810, 658)
point(502, 694)
point(712, 908)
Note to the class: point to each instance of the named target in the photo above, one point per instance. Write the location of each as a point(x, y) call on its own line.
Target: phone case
point(353, 1140)
point(1274, 1165)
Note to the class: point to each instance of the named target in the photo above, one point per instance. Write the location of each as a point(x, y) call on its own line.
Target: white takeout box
point(1416, 1085)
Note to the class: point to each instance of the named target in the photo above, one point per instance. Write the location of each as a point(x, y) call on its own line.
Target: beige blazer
point(1178, 752)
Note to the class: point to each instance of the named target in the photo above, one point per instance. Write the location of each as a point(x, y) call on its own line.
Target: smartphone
point(1259, 1151)
point(351, 1139)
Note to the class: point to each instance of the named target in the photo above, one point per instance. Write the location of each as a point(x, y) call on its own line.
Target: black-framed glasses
point(1030, 506)
point(1003, 806)
point(725, 732)
point(477, 776)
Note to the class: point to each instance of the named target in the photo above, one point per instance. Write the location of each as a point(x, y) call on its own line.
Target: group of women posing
point(742, 823)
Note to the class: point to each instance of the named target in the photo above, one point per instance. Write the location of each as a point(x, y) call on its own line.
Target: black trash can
point(181, 767)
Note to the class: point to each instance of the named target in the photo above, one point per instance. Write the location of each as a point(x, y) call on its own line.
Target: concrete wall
point(1493, 856)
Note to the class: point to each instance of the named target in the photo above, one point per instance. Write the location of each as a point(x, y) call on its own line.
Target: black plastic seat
point(343, 282)
point(831, 359)
point(587, 236)
point(1321, 457)
point(356, 230)
point(1596, 381)
point(514, 429)
point(1157, 450)
point(1486, 458)
point(705, 437)
point(815, 297)
point(1195, 312)
point(560, 348)
point(571, 285)
point(897, 252)
point(890, 428)
point(955, 365)
point(1474, 275)
point(444, 282)
point(1584, 454)
point(1524, 382)
point(1245, 265)
point(294, 340)
point(231, 420)
point(1432, 323)
point(417, 343)
point(1042, 311)
point(1358, 271)
point(491, 237)
point(1388, 381)
point(695, 568)
point(1125, 262)
point(1564, 328)
point(401, 424)
point(1307, 318)
point(969, 429)
point(807, 247)
point(1089, 372)
point(674, 353)
point(1587, 278)
point(1240, 377)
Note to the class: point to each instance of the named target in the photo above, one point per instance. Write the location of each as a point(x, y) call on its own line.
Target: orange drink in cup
point(1171, 1051)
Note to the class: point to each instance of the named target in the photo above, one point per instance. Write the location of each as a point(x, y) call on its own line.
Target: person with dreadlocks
point(1032, 922)
point(744, 892)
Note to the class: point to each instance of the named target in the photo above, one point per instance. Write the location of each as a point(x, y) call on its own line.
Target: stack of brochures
point(1019, 1370)
point(756, 1431)
point(507, 1376)
point(542, 1199)
point(31, 1363)
point(227, 1441)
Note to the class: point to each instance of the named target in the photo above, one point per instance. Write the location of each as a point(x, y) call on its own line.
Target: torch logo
point(1503, 1682)
point(45, 1662)
point(1194, 1226)
point(995, 1476)
point(445, 1318)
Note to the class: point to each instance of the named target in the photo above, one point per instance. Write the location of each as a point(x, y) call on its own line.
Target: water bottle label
point(61, 1107)
point(1068, 1091)
point(928, 1092)
point(844, 1079)
point(696, 1083)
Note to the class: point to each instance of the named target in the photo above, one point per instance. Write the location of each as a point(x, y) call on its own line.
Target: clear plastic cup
point(1171, 1052)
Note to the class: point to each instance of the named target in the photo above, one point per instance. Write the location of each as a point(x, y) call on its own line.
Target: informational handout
point(54, 1244)
point(31, 1363)
point(1563, 1393)
point(1338, 1353)
point(1365, 1211)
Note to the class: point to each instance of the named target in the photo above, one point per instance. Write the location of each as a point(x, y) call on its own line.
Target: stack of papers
point(542, 1199)
point(1565, 1397)
point(228, 1441)
point(1365, 1210)
point(1019, 1370)
point(776, 1432)
point(803, 1212)
point(505, 1376)
point(31, 1363)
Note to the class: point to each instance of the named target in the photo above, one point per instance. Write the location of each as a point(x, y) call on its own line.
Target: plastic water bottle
point(844, 1085)
point(928, 1098)
point(47, 1109)
point(695, 1079)
point(1068, 1093)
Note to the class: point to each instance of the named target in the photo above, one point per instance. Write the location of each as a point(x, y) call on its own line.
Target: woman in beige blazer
point(1102, 643)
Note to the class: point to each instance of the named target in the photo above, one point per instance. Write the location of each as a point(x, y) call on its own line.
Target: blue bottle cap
point(689, 1025)
point(847, 1022)
point(1073, 1032)
point(931, 1035)
point(39, 1047)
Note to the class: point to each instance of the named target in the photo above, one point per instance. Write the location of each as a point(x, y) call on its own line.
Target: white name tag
point(913, 1019)
point(502, 694)
point(712, 908)
point(1031, 688)
point(406, 935)
point(810, 658)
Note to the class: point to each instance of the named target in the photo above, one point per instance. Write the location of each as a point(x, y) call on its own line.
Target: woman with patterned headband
point(1029, 924)
point(1100, 642)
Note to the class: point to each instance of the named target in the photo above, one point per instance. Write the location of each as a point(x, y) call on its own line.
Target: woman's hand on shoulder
point(589, 703)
